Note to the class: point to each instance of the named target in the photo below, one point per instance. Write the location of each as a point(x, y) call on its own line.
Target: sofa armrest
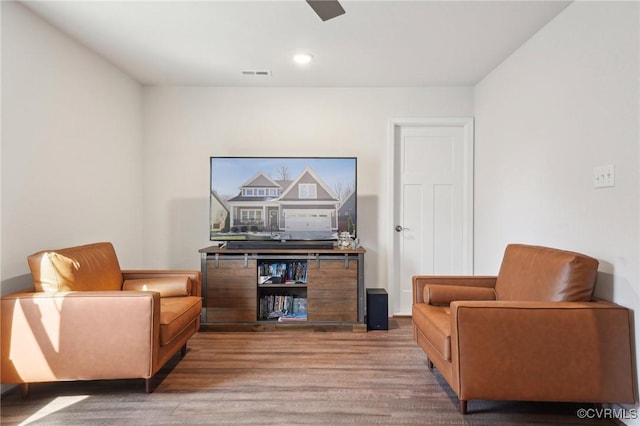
point(195, 277)
point(79, 335)
point(522, 350)
point(420, 281)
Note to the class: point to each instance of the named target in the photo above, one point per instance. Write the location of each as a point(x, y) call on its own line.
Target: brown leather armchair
point(85, 319)
point(532, 333)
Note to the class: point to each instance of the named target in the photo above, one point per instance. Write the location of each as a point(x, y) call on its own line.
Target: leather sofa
point(531, 333)
point(86, 319)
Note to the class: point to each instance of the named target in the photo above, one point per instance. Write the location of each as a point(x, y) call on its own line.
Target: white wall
point(184, 126)
point(565, 102)
point(71, 147)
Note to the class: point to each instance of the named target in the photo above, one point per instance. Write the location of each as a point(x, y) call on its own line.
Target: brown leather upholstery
point(80, 325)
point(176, 314)
point(445, 294)
point(167, 287)
point(78, 336)
point(539, 341)
point(89, 267)
point(546, 274)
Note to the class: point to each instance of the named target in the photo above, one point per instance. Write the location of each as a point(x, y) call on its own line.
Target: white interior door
point(432, 190)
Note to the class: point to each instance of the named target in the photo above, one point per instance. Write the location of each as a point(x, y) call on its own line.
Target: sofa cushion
point(435, 323)
point(82, 268)
point(176, 313)
point(533, 273)
point(167, 287)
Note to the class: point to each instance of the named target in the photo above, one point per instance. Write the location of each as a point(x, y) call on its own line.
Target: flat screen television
point(282, 199)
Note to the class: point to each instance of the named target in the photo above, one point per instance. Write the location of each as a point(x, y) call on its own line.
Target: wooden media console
point(263, 289)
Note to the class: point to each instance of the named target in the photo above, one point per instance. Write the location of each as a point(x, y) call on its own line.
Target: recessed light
point(302, 58)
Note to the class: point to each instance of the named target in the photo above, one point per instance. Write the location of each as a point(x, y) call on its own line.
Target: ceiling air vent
point(264, 73)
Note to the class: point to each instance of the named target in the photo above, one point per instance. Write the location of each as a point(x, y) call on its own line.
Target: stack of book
point(282, 272)
point(274, 306)
point(293, 317)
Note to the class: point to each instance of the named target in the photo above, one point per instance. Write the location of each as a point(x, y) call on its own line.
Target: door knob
point(400, 228)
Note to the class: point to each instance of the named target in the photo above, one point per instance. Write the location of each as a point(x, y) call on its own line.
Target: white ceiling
point(375, 43)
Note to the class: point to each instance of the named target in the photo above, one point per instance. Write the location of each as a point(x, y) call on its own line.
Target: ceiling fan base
point(326, 9)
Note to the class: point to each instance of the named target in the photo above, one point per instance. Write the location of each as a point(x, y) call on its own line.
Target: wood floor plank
point(282, 378)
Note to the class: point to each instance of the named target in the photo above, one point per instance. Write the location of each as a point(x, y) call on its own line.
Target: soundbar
point(286, 244)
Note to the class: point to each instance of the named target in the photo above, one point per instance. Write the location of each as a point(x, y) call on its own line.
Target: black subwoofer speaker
point(377, 309)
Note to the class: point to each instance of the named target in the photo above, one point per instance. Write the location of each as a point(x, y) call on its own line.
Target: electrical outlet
point(604, 176)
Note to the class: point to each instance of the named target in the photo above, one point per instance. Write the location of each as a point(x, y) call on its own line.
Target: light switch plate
point(604, 176)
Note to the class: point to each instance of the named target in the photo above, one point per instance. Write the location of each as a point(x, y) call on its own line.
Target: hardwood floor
point(281, 378)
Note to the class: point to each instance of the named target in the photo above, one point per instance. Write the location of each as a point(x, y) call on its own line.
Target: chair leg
point(24, 390)
point(463, 406)
point(148, 385)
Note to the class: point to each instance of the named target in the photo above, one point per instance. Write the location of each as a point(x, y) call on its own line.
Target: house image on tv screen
point(302, 208)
